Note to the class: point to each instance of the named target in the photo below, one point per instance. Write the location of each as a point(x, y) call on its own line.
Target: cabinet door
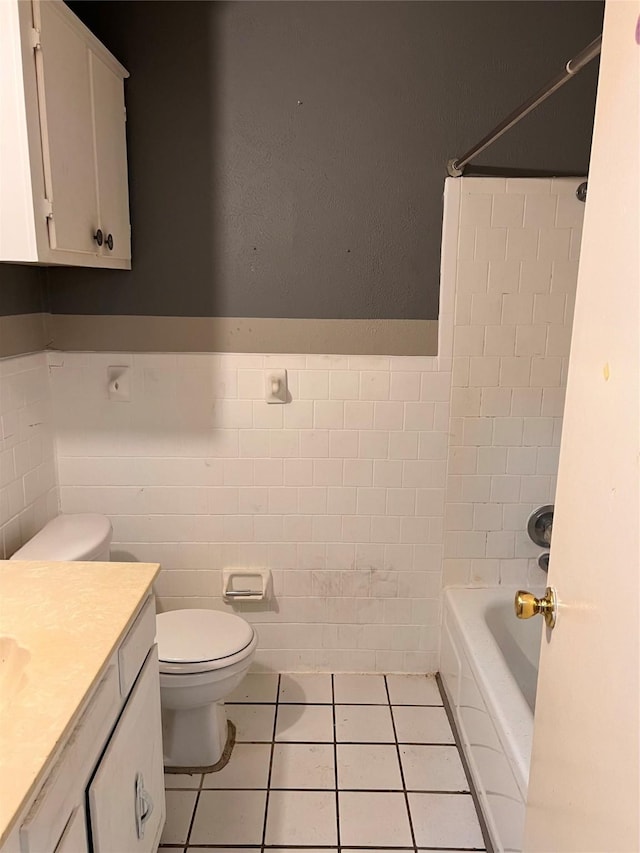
point(66, 125)
point(74, 837)
point(111, 158)
point(126, 796)
point(64, 789)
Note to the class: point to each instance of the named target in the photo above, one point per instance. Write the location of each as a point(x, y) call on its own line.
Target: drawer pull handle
point(144, 805)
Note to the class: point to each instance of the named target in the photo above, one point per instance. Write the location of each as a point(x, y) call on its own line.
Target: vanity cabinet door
point(126, 796)
point(74, 837)
point(59, 799)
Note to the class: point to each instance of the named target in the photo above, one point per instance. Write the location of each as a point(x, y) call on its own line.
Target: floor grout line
point(195, 809)
point(465, 765)
point(272, 847)
point(461, 792)
point(273, 747)
point(343, 743)
point(351, 704)
point(404, 786)
point(335, 761)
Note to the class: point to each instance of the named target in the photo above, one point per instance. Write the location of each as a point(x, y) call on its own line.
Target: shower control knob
point(527, 605)
point(540, 526)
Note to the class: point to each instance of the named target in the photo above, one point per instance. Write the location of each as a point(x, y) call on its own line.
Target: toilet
point(203, 654)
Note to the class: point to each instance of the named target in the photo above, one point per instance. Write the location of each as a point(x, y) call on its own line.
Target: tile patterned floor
point(330, 763)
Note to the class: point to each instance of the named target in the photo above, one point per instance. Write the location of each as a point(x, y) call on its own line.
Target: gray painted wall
point(22, 289)
point(287, 159)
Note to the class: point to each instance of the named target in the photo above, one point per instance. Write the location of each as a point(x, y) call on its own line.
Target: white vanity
point(81, 763)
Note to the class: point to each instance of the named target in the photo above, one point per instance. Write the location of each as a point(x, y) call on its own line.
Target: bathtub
point(489, 667)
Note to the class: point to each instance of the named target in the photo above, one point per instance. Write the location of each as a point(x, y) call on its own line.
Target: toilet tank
point(84, 536)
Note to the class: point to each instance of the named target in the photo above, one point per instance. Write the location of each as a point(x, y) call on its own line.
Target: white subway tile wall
point(382, 479)
point(513, 268)
point(339, 492)
point(28, 488)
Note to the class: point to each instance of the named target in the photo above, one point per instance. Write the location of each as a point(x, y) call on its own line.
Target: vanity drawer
point(63, 792)
point(135, 646)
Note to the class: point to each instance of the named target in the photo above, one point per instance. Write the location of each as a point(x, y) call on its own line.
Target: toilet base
point(227, 752)
point(194, 737)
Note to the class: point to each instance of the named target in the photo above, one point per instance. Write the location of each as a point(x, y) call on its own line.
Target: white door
point(583, 792)
point(66, 124)
point(126, 796)
point(111, 159)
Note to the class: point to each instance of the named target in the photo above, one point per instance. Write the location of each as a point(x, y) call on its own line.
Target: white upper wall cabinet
point(64, 197)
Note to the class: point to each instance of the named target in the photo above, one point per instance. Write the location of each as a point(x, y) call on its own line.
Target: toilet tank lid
point(69, 537)
point(195, 636)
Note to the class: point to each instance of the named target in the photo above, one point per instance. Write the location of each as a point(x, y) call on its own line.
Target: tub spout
point(543, 561)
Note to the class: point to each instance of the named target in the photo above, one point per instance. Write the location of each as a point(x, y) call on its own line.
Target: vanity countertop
point(59, 625)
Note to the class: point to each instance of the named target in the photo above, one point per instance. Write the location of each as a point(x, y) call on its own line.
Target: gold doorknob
point(527, 605)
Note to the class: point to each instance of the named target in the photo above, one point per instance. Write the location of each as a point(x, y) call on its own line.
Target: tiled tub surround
point(340, 492)
point(511, 247)
point(28, 489)
point(510, 263)
point(330, 761)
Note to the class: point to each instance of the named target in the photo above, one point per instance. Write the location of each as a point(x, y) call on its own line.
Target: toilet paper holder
point(246, 584)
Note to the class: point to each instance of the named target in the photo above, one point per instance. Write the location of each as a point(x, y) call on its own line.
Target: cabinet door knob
point(98, 237)
point(109, 241)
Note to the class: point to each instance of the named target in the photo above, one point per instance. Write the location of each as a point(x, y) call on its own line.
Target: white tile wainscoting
point(28, 484)
point(339, 492)
point(381, 478)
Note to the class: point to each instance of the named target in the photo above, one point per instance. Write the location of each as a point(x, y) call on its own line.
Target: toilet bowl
point(203, 654)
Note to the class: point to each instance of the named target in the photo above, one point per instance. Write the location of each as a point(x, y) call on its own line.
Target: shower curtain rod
point(455, 166)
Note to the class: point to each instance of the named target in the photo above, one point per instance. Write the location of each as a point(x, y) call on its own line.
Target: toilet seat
point(193, 641)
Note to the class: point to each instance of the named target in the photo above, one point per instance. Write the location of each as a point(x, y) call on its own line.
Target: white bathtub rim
point(516, 739)
point(494, 791)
